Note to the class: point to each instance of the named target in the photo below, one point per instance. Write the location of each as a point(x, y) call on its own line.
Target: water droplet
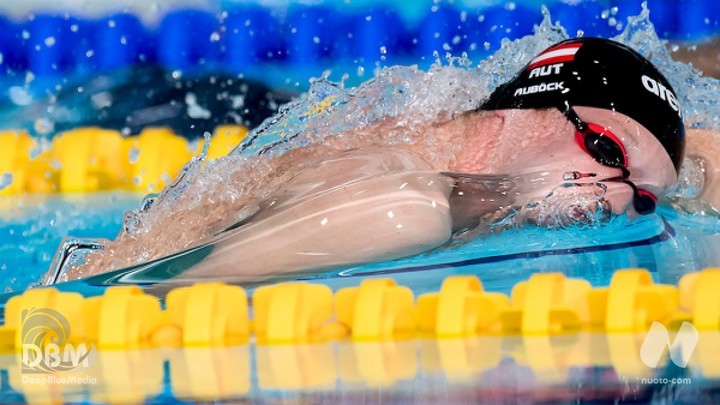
point(43, 126)
point(316, 40)
point(25, 34)
point(214, 37)
point(6, 180)
point(49, 42)
point(134, 155)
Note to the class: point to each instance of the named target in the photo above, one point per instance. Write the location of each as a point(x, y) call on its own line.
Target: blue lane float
point(120, 40)
point(13, 53)
point(698, 19)
point(374, 35)
point(310, 32)
point(45, 39)
point(186, 39)
point(249, 36)
point(440, 31)
point(499, 22)
point(586, 17)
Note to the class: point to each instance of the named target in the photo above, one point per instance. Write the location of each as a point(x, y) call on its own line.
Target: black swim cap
point(595, 72)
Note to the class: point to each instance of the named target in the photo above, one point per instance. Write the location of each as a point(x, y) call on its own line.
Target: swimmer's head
point(594, 72)
point(600, 74)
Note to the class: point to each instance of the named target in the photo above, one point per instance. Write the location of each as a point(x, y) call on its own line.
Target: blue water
point(31, 228)
point(666, 244)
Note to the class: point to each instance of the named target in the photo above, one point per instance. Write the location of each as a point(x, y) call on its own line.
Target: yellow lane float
point(94, 159)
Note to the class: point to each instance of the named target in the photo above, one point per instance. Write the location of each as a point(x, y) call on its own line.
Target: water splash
point(698, 95)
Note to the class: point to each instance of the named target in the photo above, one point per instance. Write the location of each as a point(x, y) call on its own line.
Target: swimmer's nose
point(619, 196)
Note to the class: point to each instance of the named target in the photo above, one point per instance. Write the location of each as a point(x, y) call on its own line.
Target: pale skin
point(356, 205)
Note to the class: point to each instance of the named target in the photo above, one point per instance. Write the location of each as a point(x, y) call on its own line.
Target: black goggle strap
point(572, 116)
point(643, 202)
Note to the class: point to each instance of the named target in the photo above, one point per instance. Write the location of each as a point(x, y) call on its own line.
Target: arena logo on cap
point(656, 88)
point(556, 54)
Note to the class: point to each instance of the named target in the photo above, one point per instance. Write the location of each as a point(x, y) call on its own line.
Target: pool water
point(487, 369)
point(669, 245)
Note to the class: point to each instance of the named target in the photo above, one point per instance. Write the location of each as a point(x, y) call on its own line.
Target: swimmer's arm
point(703, 146)
point(383, 217)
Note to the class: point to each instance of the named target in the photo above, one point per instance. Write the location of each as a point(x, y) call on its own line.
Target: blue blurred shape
point(375, 34)
point(441, 30)
point(12, 48)
point(80, 55)
point(586, 16)
point(46, 44)
point(697, 18)
point(119, 41)
point(311, 32)
point(664, 14)
point(187, 38)
point(507, 22)
point(252, 35)
point(484, 29)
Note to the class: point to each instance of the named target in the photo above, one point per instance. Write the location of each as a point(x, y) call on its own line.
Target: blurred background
point(70, 63)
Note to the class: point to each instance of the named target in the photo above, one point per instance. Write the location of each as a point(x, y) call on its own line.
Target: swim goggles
point(607, 150)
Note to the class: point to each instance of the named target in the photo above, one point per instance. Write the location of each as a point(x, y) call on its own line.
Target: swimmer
point(588, 129)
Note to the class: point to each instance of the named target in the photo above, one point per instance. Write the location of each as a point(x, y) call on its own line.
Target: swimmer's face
point(649, 165)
